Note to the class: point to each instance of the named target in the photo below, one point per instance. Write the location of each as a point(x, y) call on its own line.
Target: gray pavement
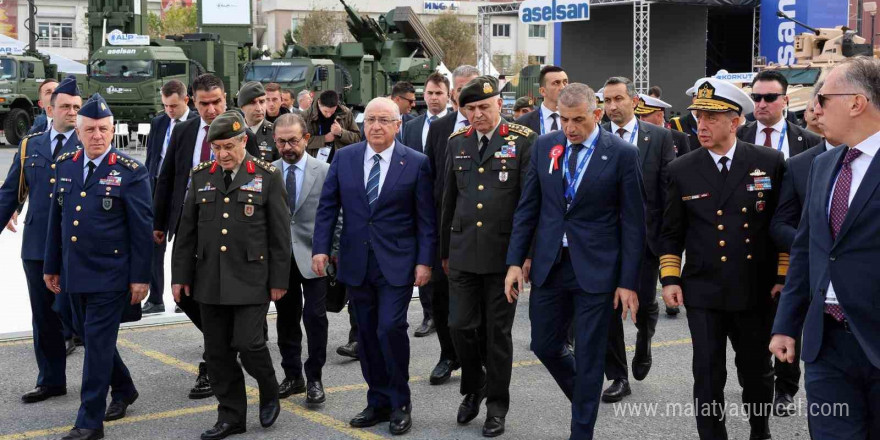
point(163, 360)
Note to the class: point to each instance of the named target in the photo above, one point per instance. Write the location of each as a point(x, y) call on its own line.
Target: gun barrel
point(781, 14)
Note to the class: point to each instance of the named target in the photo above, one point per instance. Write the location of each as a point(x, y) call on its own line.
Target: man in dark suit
point(174, 100)
point(414, 134)
point(32, 178)
point(831, 293)
point(187, 148)
point(771, 129)
point(486, 166)
point(545, 119)
point(98, 248)
point(656, 150)
point(435, 149)
point(583, 208)
point(387, 246)
point(404, 95)
point(718, 208)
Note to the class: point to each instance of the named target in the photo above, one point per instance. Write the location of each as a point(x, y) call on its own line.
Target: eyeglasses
point(292, 142)
point(767, 97)
point(822, 98)
point(380, 121)
point(410, 101)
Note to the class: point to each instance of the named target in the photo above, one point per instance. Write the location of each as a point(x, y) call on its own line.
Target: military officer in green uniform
point(233, 255)
point(486, 167)
point(252, 101)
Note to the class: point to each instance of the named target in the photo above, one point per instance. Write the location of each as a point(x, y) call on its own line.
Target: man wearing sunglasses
point(404, 95)
point(771, 128)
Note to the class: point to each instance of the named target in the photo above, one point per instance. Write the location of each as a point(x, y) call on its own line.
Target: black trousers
point(157, 277)
point(426, 293)
point(440, 313)
point(646, 322)
point(230, 331)
point(313, 313)
point(352, 324)
point(477, 304)
point(749, 336)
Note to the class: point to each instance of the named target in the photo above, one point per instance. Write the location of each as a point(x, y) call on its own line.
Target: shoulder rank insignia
point(521, 129)
point(202, 166)
point(127, 162)
point(68, 155)
point(757, 173)
point(264, 165)
point(459, 131)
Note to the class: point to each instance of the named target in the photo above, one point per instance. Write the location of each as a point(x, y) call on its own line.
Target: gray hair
point(864, 73)
point(575, 94)
point(80, 119)
point(816, 88)
point(630, 87)
point(465, 70)
point(302, 93)
point(385, 101)
point(290, 120)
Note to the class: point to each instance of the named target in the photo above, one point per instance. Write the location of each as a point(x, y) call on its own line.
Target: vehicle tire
point(16, 125)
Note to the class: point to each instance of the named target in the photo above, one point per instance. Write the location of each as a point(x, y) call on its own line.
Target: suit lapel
point(495, 144)
point(600, 158)
point(708, 169)
point(416, 126)
point(739, 167)
point(42, 145)
point(188, 141)
point(863, 194)
point(309, 178)
point(100, 171)
point(357, 170)
point(395, 168)
point(751, 133)
point(643, 141)
point(795, 140)
point(242, 176)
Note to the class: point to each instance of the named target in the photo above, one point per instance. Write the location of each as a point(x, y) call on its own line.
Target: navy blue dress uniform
point(31, 178)
point(721, 218)
point(687, 124)
point(100, 241)
point(480, 196)
point(232, 248)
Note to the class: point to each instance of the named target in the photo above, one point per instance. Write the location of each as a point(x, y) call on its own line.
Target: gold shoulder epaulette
point(202, 166)
point(461, 130)
point(33, 134)
point(521, 129)
point(265, 165)
point(67, 155)
point(127, 162)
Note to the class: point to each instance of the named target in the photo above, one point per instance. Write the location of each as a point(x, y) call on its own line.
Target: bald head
point(381, 123)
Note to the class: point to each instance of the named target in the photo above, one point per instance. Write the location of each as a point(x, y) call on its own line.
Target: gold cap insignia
point(103, 107)
point(236, 126)
point(487, 88)
point(706, 91)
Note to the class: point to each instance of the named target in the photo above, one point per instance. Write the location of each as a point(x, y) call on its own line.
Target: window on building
point(537, 31)
point(537, 59)
point(55, 34)
point(500, 30)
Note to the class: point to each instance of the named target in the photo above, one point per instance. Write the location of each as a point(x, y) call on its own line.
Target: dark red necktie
point(206, 148)
point(767, 132)
point(837, 213)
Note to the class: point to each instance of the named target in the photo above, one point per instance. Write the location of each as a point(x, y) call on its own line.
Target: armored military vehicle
point(20, 77)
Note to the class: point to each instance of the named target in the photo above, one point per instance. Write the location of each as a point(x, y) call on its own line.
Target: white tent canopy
point(64, 64)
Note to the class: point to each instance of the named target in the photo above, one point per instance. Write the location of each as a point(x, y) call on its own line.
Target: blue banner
point(777, 34)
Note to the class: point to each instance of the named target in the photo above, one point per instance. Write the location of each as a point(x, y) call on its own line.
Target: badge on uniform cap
point(107, 203)
point(103, 107)
point(236, 126)
point(249, 210)
point(487, 88)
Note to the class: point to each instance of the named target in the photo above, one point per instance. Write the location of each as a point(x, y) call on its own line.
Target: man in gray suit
point(303, 177)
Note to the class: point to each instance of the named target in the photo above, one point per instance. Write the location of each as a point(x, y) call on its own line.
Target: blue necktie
point(373, 182)
point(432, 119)
point(291, 187)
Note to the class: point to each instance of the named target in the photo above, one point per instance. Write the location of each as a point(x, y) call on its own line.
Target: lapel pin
point(604, 157)
point(646, 139)
point(800, 138)
point(401, 162)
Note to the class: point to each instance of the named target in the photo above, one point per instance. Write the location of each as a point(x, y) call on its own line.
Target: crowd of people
point(764, 230)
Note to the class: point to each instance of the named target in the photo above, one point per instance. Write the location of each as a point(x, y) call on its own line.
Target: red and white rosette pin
point(555, 154)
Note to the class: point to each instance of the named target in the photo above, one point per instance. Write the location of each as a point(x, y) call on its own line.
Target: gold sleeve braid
point(670, 266)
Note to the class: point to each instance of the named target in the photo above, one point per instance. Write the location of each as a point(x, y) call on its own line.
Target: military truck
point(816, 52)
point(396, 48)
point(20, 79)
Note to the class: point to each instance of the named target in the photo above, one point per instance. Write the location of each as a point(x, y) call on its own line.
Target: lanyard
point(635, 133)
point(572, 182)
point(782, 137)
point(541, 118)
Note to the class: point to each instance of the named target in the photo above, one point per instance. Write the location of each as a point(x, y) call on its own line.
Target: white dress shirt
point(428, 125)
point(580, 157)
point(460, 121)
point(197, 151)
point(53, 134)
point(859, 167)
point(760, 137)
point(488, 135)
point(97, 161)
point(717, 157)
point(629, 127)
point(167, 140)
point(384, 163)
point(547, 114)
point(299, 171)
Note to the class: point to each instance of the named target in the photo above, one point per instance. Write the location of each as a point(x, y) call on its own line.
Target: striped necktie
point(373, 181)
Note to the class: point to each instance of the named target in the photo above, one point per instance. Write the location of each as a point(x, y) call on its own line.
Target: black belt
point(830, 322)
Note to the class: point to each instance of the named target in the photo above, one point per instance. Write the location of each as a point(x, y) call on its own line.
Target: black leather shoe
point(290, 387)
point(84, 434)
point(370, 417)
point(617, 391)
point(470, 407)
point(116, 409)
point(315, 395)
point(641, 366)
point(760, 431)
point(783, 404)
point(269, 412)
point(177, 309)
point(443, 371)
point(69, 346)
point(150, 308)
point(493, 427)
point(401, 420)
point(202, 389)
point(40, 394)
point(672, 311)
point(425, 329)
point(222, 430)
point(348, 350)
